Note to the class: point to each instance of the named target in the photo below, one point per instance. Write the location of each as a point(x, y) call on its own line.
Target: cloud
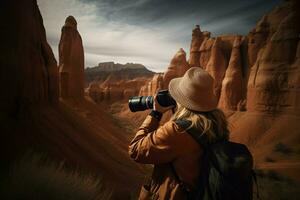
point(146, 31)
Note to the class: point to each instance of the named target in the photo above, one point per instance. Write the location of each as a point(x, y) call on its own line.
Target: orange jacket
point(162, 146)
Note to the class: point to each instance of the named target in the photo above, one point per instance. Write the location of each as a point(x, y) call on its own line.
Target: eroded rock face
point(217, 65)
point(232, 84)
point(205, 51)
point(197, 39)
point(257, 39)
point(178, 66)
point(115, 90)
point(28, 72)
point(71, 61)
point(95, 92)
point(273, 91)
point(268, 88)
point(153, 86)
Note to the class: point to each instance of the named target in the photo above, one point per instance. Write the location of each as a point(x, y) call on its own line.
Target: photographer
point(175, 154)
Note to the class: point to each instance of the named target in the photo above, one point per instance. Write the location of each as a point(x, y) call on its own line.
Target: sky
point(149, 32)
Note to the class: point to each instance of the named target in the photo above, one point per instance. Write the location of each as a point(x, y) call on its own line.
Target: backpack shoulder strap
point(200, 139)
point(183, 123)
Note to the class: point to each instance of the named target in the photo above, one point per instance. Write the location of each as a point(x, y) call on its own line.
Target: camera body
point(141, 103)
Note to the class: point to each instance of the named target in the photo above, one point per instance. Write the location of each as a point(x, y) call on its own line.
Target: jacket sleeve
point(153, 145)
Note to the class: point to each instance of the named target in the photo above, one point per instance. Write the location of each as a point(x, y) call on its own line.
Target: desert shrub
point(282, 148)
point(273, 186)
point(35, 177)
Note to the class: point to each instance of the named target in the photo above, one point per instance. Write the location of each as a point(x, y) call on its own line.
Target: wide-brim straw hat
point(195, 90)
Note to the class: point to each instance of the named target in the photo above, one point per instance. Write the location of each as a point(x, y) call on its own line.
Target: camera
point(140, 103)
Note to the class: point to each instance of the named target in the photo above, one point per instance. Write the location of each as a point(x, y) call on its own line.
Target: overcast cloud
point(147, 31)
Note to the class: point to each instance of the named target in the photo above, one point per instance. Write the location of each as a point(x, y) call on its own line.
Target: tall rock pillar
point(232, 85)
point(178, 66)
point(217, 65)
point(197, 39)
point(71, 61)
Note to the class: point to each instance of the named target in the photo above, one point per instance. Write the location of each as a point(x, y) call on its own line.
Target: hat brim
point(179, 96)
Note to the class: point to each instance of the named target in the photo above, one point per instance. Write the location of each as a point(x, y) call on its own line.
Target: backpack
point(226, 170)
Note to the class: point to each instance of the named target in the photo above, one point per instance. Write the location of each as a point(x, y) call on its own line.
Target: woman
point(174, 153)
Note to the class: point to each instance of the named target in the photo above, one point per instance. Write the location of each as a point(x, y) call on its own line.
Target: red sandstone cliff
point(273, 91)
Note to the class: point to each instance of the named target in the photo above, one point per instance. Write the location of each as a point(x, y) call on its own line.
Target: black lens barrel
point(140, 103)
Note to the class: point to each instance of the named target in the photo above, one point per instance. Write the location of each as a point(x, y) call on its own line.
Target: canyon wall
point(28, 73)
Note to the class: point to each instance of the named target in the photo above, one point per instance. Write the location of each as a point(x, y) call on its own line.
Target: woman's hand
point(160, 108)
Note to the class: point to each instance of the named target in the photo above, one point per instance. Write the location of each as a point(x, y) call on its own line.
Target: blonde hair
point(212, 123)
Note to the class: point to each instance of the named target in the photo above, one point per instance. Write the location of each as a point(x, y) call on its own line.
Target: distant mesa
point(112, 66)
point(110, 82)
point(127, 71)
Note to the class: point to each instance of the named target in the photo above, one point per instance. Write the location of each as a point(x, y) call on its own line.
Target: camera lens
point(140, 103)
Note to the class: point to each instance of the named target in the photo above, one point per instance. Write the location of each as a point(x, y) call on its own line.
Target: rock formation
point(273, 92)
point(197, 39)
point(124, 71)
point(28, 73)
point(257, 39)
point(205, 51)
point(153, 86)
point(71, 61)
point(232, 84)
point(268, 88)
point(95, 92)
point(114, 89)
point(178, 66)
point(217, 65)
